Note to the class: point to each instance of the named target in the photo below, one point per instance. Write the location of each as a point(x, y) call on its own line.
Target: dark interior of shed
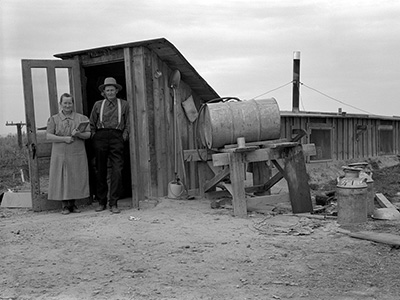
point(95, 76)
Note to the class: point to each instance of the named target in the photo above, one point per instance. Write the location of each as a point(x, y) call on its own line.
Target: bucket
point(351, 197)
point(175, 189)
point(255, 120)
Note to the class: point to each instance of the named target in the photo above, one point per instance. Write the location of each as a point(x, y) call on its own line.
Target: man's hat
point(110, 81)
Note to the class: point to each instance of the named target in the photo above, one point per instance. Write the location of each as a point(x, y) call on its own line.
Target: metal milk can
point(351, 192)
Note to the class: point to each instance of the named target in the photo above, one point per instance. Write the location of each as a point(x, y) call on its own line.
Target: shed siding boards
point(151, 101)
point(353, 136)
point(156, 136)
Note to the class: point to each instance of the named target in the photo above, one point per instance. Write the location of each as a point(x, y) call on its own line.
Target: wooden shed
point(344, 136)
point(144, 70)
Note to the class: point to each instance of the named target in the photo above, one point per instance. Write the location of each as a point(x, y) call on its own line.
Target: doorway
point(94, 77)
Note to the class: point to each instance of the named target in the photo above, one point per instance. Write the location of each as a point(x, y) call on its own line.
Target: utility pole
point(296, 81)
point(19, 131)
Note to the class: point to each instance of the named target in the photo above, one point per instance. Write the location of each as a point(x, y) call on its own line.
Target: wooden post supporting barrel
point(248, 132)
point(293, 170)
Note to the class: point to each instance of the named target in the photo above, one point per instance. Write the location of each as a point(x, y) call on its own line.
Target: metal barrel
point(255, 120)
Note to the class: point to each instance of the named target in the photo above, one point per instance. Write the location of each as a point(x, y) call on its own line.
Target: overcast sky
point(350, 50)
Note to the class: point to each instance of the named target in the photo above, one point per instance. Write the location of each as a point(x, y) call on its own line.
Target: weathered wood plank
point(32, 141)
point(339, 140)
point(262, 203)
point(217, 178)
point(264, 144)
point(151, 121)
point(370, 141)
point(379, 237)
point(136, 179)
point(383, 201)
point(237, 179)
point(351, 141)
point(75, 77)
point(221, 159)
point(52, 90)
point(159, 130)
point(168, 124)
point(196, 155)
point(141, 112)
point(295, 175)
point(102, 56)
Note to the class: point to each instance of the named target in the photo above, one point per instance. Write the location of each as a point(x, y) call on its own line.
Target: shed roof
point(305, 114)
point(170, 55)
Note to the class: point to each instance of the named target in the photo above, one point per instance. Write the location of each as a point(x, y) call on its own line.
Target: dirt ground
point(184, 249)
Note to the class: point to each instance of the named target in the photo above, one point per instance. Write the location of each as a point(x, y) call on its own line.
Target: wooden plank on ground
point(379, 237)
point(383, 201)
point(261, 203)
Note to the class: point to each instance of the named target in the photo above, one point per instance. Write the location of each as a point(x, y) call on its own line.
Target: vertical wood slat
point(335, 138)
point(149, 92)
point(299, 190)
point(340, 140)
point(306, 138)
point(365, 139)
point(375, 138)
point(31, 134)
point(142, 117)
point(351, 138)
point(393, 137)
point(169, 132)
point(397, 138)
point(76, 85)
point(52, 89)
point(136, 178)
point(357, 141)
point(159, 128)
point(345, 139)
point(331, 132)
point(236, 166)
point(370, 134)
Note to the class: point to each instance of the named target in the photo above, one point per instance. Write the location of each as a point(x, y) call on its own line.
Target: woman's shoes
point(75, 209)
point(70, 209)
point(65, 211)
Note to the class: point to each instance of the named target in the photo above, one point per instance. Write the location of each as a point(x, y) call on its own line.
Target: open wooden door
point(44, 82)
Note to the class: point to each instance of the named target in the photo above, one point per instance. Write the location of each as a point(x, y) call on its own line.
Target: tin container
point(351, 192)
point(367, 173)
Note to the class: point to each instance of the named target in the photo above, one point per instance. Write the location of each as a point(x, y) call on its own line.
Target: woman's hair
point(67, 96)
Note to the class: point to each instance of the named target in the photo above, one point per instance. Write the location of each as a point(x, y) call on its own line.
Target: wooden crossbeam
point(222, 159)
point(216, 179)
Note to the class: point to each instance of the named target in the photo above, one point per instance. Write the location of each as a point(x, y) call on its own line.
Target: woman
point(69, 175)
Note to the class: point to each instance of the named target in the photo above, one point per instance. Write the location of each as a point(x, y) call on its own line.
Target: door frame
point(39, 201)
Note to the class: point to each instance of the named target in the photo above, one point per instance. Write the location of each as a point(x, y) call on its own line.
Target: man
point(109, 123)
